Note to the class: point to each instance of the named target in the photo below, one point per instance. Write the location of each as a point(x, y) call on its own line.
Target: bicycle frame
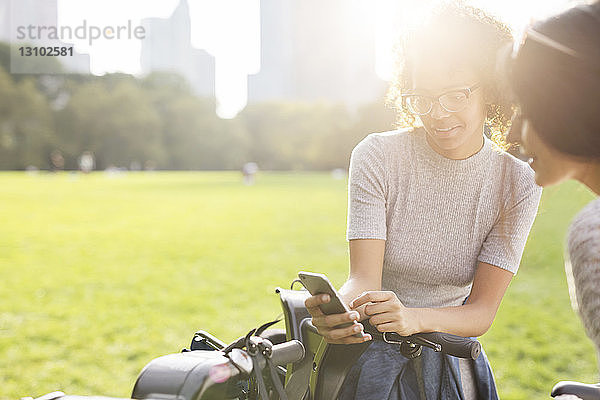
point(320, 375)
point(190, 375)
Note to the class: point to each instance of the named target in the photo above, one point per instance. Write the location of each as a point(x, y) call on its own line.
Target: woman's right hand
point(326, 324)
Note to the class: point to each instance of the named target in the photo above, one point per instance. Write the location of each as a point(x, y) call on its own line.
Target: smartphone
point(319, 284)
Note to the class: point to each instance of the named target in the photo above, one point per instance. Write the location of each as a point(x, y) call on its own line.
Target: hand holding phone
point(318, 284)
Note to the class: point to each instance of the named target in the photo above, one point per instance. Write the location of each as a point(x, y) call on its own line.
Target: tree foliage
point(26, 131)
point(127, 121)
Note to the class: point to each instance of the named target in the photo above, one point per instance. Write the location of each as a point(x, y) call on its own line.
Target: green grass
point(102, 274)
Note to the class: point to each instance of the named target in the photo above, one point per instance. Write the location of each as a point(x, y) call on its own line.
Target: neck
point(590, 176)
point(462, 152)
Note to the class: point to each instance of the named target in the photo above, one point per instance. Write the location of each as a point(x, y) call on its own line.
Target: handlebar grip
point(457, 346)
point(581, 390)
point(287, 352)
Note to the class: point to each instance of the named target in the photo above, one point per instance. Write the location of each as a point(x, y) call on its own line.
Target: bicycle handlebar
point(581, 390)
point(287, 352)
point(457, 346)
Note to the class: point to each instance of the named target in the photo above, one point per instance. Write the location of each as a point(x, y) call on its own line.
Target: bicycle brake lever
point(393, 337)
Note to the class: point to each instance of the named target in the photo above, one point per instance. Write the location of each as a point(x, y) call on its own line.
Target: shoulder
point(583, 263)
point(383, 143)
point(512, 166)
point(589, 213)
point(584, 232)
point(515, 175)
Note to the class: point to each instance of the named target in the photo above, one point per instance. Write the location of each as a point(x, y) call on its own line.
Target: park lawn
point(102, 273)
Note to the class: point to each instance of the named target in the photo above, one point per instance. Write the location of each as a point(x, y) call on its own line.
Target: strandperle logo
point(82, 32)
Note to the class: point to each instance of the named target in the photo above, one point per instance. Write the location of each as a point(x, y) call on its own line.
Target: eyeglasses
point(451, 101)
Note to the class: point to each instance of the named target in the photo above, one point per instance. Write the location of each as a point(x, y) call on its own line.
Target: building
point(316, 51)
point(167, 47)
point(14, 14)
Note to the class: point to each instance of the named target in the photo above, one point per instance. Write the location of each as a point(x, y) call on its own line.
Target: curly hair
point(466, 32)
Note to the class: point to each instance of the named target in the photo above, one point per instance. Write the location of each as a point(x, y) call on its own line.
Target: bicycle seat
point(581, 390)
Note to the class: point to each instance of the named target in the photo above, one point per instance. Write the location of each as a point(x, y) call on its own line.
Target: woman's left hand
point(387, 313)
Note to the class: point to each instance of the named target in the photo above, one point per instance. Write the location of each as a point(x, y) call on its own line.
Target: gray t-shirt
point(583, 267)
point(439, 216)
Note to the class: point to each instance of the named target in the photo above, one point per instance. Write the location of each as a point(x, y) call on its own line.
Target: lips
point(445, 130)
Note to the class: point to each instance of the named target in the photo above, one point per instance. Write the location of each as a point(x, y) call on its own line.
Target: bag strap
point(418, 364)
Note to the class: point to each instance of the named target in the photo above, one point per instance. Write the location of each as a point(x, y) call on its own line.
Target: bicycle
point(274, 364)
point(316, 372)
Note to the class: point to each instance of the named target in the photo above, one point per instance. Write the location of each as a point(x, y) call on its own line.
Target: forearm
point(387, 313)
point(366, 263)
point(476, 316)
point(354, 286)
point(465, 320)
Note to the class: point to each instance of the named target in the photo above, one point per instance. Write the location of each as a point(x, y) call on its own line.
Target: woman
point(556, 78)
point(438, 215)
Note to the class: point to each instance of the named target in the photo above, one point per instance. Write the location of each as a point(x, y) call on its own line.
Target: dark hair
point(556, 78)
point(462, 31)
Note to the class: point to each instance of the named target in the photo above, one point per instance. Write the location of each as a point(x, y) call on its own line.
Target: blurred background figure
point(150, 165)
point(32, 169)
point(57, 161)
point(338, 173)
point(86, 162)
point(135, 166)
point(249, 170)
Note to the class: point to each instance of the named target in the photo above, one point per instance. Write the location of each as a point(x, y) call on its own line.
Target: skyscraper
point(314, 50)
point(167, 47)
point(25, 13)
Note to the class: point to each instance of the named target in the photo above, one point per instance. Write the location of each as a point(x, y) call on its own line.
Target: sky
point(230, 31)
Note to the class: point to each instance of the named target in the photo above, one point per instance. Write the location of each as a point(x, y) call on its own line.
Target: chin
point(546, 180)
point(447, 142)
point(549, 176)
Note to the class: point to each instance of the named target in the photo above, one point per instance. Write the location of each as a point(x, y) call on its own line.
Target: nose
point(437, 111)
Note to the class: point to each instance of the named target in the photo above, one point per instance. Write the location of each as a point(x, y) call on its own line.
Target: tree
point(115, 120)
point(192, 135)
point(26, 134)
point(288, 135)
